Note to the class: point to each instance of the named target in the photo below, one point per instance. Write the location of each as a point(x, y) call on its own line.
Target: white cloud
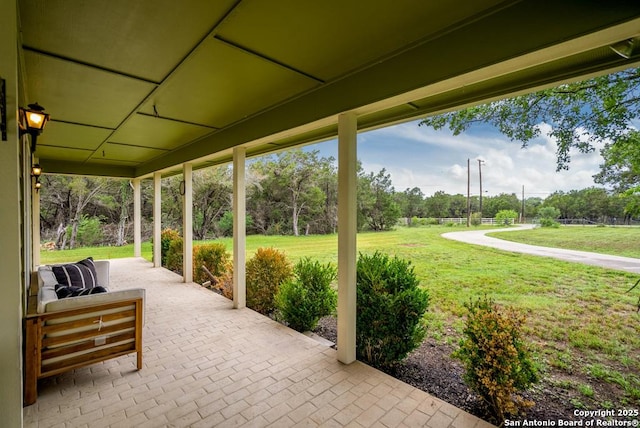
point(437, 160)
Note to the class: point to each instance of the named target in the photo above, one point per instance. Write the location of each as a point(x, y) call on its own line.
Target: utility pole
point(468, 193)
point(522, 212)
point(480, 162)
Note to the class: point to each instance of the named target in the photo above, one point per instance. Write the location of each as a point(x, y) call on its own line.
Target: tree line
point(291, 193)
point(295, 192)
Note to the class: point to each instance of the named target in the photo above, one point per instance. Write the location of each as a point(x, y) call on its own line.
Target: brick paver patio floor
point(208, 365)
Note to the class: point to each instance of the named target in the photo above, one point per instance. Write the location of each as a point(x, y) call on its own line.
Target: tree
point(438, 205)
point(621, 167)
point(531, 206)
point(504, 201)
point(376, 205)
point(290, 182)
point(171, 202)
point(457, 206)
point(212, 191)
point(116, 198)
point(411, 203)
point(580, 114)
point(70, 196)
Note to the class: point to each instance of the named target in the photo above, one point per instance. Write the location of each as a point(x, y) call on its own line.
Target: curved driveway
point(478, 237)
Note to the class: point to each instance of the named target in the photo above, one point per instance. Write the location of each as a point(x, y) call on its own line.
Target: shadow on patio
point(208, 365)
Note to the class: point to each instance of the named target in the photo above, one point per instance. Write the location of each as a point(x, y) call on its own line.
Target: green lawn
point(581, 318)
point(619, 241)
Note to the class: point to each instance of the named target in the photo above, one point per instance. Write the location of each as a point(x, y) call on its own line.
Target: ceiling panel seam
point(64, 147)
point(186, 122)
point(137, 146)
point(171, 73)
point(69, 122)
point(87, 64)
point(268, 59)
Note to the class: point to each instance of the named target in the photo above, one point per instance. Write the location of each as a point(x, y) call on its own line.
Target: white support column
point(347, 231)
point(157, 219)
point(12, 263)
point(35, 225)
point(239, 229)
point(187, 223)
point(137, 219)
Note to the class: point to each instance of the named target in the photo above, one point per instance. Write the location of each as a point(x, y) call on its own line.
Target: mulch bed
point(432, 369)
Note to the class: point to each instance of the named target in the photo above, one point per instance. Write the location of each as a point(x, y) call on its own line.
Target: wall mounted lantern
point(36, 172)
point(32, 122)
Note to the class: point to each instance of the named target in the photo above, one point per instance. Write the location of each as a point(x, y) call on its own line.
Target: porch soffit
point(138, 87)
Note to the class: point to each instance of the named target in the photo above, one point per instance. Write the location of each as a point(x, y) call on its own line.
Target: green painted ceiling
point(140, 86)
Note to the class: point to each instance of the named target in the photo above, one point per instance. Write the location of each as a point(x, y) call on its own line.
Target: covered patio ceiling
point(135, 87)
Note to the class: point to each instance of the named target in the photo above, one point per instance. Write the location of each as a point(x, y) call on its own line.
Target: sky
point(419, 156)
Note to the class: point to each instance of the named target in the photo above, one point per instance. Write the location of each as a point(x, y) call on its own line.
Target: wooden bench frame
point(80, 331)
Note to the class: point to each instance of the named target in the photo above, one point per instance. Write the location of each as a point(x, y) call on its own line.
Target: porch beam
point(347, 231)
point(157, 219)
point(137, 219)
point(239, 229)
point(187, 222)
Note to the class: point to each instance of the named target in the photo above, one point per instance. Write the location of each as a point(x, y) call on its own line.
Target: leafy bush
point(548, 216)
point(174, 255)
point(547, 222)
point(390, 309)
point(265, 271)
point(225, 225)
point(89, 231)
point(549, 212)
point(496, 360)
point(306, 298)
point(506, 217)
point(476, 219)
point(213, 257)
point(166, 236)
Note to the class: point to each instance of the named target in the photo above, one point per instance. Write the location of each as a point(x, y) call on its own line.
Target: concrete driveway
point(478, 237)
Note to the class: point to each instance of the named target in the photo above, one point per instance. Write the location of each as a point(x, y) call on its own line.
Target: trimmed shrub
point(306, 298)
point(391, 306)
point(174, 255)
point(214, 258)
point(496, 359)
point(166, 236)
point(265, 271)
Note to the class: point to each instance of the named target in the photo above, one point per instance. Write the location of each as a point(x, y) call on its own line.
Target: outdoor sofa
point(63, 334)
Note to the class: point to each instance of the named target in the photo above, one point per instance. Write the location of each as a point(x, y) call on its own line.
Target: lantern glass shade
point(35, 118)
point(36, 170)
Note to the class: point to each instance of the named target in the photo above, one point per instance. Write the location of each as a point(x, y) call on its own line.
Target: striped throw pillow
point(63, 291)
point(81, 274)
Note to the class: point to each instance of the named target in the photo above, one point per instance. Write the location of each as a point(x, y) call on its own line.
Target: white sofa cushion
point(93, 299)
point(46, 287)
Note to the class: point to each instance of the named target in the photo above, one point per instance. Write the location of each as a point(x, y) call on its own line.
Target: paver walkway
point(479, 237)
point(208, 365)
